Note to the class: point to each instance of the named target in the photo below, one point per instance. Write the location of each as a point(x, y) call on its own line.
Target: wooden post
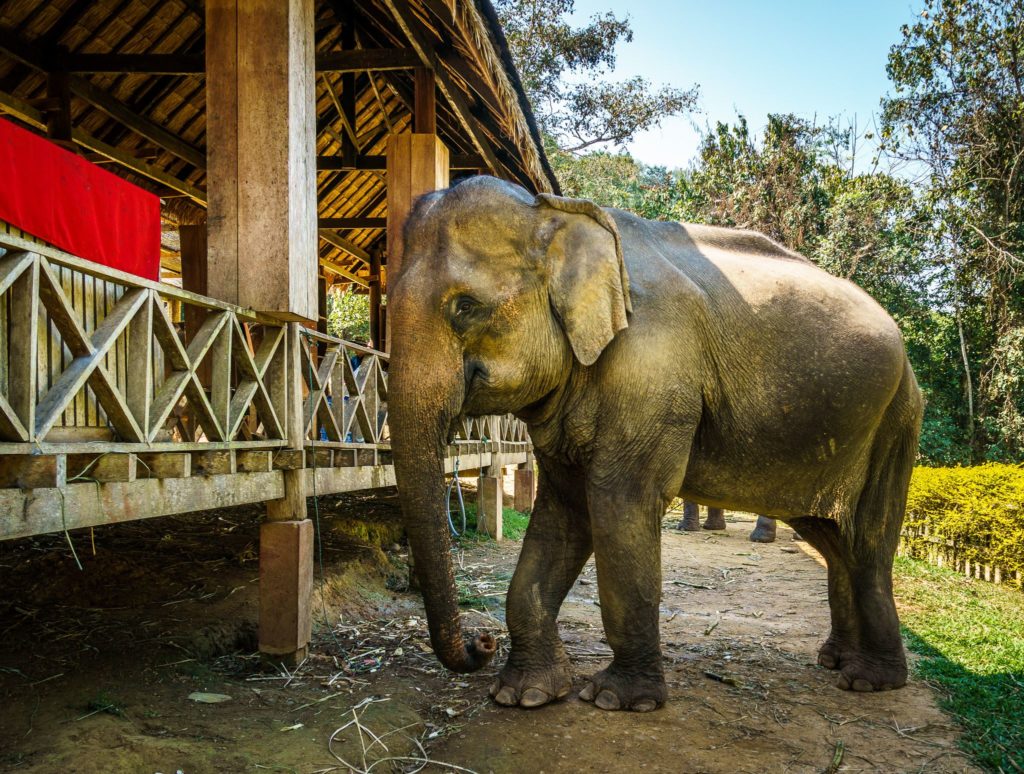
point(489, 503)
point(194, 273)
point(261, 156)
point(417, 163)
point(375, 331)
point(58, 116)
point(286, 538)
point(525, 486)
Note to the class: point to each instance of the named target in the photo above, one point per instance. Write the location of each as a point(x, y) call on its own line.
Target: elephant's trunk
point(425, 393)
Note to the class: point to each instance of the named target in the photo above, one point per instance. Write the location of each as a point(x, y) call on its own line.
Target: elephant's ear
point(588, 284)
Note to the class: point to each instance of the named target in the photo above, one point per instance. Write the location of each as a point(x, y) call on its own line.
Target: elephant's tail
point(883, 500)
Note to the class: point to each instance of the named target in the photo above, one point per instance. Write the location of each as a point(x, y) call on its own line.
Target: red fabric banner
point(62, 199)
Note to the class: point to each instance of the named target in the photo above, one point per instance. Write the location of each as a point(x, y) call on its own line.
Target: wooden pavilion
point(287, 141)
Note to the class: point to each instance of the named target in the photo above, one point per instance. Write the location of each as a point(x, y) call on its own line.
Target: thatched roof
point(144, 116)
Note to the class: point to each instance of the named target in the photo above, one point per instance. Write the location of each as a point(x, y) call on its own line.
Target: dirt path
point(96, 667)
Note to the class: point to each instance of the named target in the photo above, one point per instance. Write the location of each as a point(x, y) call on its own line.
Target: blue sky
point(815, 58)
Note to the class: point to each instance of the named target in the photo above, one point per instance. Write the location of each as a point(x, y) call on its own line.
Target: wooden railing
point(96, 360)
point(94, 355)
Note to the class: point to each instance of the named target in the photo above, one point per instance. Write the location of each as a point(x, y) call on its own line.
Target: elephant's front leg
point(626, 526)
point(556, 546)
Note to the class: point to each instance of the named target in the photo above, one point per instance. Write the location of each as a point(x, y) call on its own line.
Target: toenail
point(607, 700)
point(506, 696)
point(534, 697)
point(587, 694)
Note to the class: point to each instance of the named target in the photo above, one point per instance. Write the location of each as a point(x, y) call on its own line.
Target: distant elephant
point(650, 361)
point(763, 532)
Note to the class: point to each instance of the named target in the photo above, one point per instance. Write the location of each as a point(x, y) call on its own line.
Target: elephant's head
point(499, 294)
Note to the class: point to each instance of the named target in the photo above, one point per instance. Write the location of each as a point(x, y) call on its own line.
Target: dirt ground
point(109, 669)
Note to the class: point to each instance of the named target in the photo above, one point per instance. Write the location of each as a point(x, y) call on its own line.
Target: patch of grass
point(513, 523)
point(970, 635)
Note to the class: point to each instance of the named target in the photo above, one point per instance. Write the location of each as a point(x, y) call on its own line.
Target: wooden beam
point(417, 165)
point(341, 271)
point(337, 163)
point(352, 223)
point(153, 132)
point(358, 60)
point(23, 111)
point(142, 64)
point(343, 244)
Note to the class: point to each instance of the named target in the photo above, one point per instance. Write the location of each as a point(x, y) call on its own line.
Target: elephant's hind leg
point(865, 644)
point(556, 546)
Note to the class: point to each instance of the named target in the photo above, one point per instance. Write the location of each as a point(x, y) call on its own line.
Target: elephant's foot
point(531, 687)
point(859, 671)
point(872, 673)
point(764, 531)
point(715, 519)
point(691, 518)
point(610, 689)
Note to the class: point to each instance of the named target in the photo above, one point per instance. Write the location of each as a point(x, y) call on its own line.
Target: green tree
point(957, 112)
point(563, 67)
point(348, 315)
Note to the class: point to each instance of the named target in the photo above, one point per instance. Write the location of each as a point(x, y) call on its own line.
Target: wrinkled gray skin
point(651, 361)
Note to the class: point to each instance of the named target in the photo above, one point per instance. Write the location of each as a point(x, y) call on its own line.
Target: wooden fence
point(111, 379)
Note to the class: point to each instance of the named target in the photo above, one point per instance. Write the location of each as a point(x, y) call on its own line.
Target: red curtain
point(62, 199)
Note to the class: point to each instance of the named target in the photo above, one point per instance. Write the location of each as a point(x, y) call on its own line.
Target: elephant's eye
point(465, 311)
point(464, 305)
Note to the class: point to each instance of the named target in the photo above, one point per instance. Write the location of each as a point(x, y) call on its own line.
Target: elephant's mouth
point(476, 377)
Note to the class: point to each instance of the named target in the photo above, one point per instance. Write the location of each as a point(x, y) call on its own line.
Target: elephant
point(650, 360)
point(763, 532)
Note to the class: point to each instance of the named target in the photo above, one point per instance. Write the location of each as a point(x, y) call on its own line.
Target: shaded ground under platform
point(110, 668)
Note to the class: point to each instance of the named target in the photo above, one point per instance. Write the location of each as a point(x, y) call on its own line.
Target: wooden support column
point(58, 112)
point(375, 328)
point(286, 538)
point(194, 273)
point(525, 486)
point(489, 503)
point(490, 488)
point(261, 156)
point(417, 163)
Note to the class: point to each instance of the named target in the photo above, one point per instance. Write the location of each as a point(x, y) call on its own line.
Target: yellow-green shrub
point(979, 509)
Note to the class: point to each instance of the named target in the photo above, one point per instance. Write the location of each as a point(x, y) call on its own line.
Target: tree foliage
point(957, 112)
point(562, 69)
point(348, 316)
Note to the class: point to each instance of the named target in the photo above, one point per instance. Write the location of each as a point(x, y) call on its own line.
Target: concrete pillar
point(489, 503)
point(525, 488)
